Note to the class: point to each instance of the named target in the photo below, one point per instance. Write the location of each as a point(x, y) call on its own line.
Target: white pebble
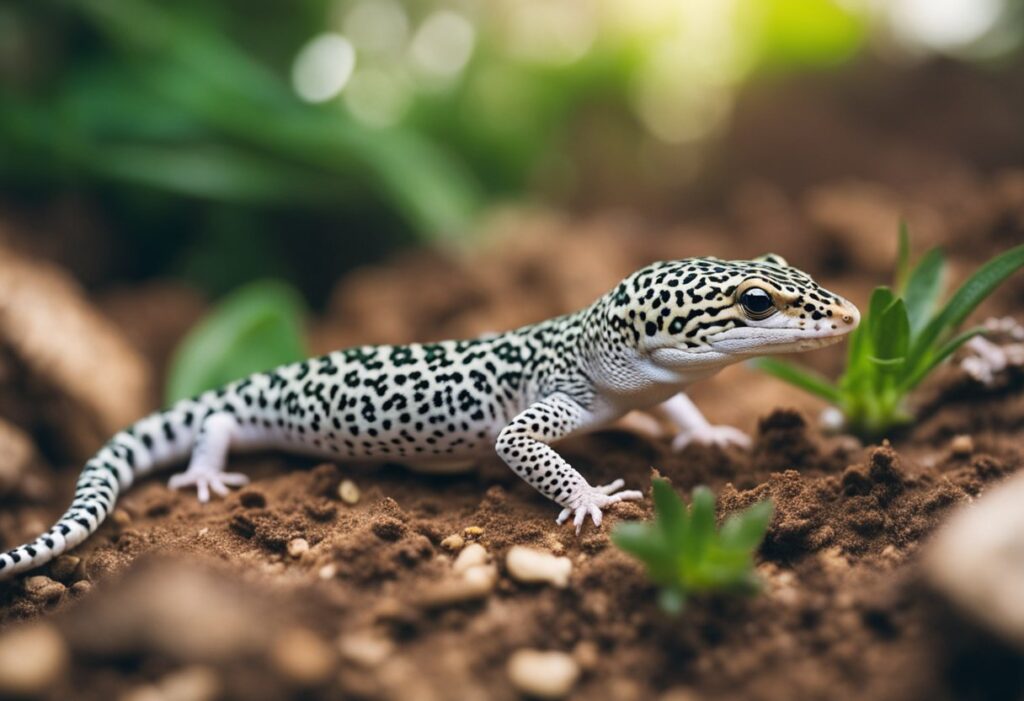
point(481, 578)
point(297, 547)
point(349, 492)
point(529, 565)
point(472, 555)
point(543, 675)
point(476, 583)
point(366, 649)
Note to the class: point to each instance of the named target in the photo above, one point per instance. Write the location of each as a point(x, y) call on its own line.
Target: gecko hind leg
point(205, 470)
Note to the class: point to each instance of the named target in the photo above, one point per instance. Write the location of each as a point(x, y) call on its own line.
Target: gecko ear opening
point(773, 259)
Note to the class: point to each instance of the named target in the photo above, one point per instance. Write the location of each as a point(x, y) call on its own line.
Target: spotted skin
point(518, 392)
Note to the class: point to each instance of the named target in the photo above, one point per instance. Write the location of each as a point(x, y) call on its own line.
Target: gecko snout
point(848, 314)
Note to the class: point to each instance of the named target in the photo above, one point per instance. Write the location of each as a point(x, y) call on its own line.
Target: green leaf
point(702, 524)
point(745, 530)
point(923, 289)
point(858, 359)
point(881, 299)
point(645, 542)
point(669, 510)
point(806, 380)
point(892, 333)
point(256, 328)
point(969, 295)
point(941, 354)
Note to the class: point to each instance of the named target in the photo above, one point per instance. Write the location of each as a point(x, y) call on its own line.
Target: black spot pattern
point(515, 392)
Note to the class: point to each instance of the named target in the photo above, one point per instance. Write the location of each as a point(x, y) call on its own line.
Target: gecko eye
point(756, 303)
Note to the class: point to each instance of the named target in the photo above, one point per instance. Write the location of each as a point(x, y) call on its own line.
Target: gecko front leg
point(694, 428)
point(523, 445)
point(206, 468)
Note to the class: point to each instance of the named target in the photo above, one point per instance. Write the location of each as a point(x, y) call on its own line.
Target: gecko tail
point(157, 440)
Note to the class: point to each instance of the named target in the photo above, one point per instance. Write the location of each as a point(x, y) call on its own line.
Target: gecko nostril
point(847, 318)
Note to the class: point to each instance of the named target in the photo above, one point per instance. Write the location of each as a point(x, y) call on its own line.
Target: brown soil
point(220, 601)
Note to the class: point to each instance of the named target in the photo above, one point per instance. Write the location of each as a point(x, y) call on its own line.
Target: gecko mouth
point(759, 341)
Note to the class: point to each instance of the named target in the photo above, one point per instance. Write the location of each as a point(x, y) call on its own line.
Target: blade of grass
point(923, 289)
point(669, 510)
point(702, 524)
point(940, 355)
point(893, 335)
point(979, 286)
point(804, 379)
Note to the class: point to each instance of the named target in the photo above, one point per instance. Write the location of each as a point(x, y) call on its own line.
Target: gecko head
point(706, 311)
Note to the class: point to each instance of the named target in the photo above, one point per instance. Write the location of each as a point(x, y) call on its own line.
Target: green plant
point(684, 552)
point(255, 328)
point(904, 335)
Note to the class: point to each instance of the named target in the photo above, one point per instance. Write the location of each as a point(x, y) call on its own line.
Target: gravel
point(531, 566)
point(543, 675)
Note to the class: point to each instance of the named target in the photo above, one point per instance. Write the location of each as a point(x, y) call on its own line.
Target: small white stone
point(529, 565)
point(481, 577)
point(327, 571)
point(297, 547)
point(831, 420)
point(962, 445)
point(366, 649)
point(477, 582)
point(472, 555)
point(348, 492)
point(977, 560)
point(543, 675)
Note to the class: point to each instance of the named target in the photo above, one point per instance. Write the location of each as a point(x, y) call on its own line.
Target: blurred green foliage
point(686, 554)
point(904, 336)
point(256, 328)
point(181, 121)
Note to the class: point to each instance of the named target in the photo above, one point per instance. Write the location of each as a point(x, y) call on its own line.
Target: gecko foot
point(712, 435)
point(206, 480)
point(591, 500)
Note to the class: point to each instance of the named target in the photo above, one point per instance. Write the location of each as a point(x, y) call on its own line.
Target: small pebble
point(472, 531)
point(31, 658)
point(481, 577)
point(302, 657)
point(543, 675)
point(80, 587)
point(121, 518)
point(348, 492)
point(297, 547)
point(366, 649)
point(472, 555)
point(962, 445)
point(43, 589)
point(327, 571)
point(453, 542)
point(66, 567)
point(476, 583)
point(530, 565)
